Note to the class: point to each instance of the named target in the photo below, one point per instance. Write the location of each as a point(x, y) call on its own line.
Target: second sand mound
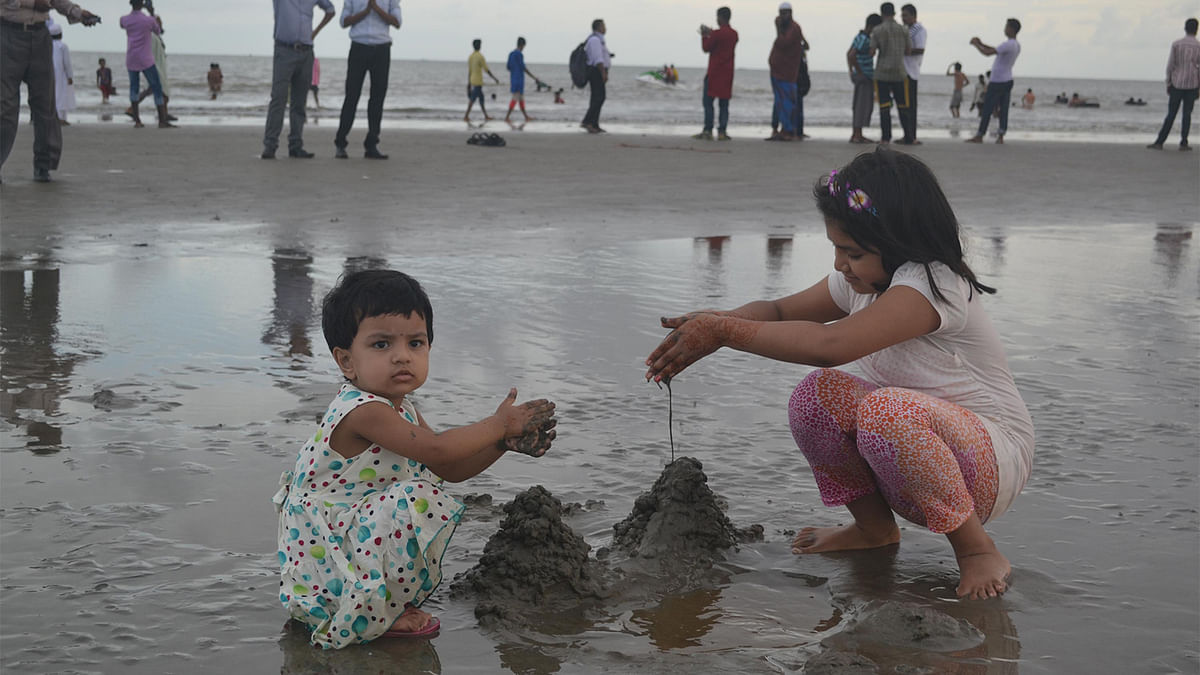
point(533, 560)
point(679, 518)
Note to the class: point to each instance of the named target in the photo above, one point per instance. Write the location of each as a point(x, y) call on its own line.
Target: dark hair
point(597, 23)
point(1190, 26)
point(912, 219)
point(874, 20)
point(957, 65)
point(367, 293)
point(910, 9)
point(887, 9)
point(520, 42)
point(725, 13)
point(214, 65)
point(1016, 25)
point(476, 42)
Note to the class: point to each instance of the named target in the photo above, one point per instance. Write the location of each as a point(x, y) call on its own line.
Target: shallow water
point(147, 410)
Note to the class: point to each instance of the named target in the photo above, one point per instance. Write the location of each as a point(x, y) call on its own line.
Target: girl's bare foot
point(983, 575)
point(983, 570)
point(412, 619)
point(849, 537)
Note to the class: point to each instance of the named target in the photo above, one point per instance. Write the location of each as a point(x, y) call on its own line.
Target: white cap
point(785, 5)
point(54, 28)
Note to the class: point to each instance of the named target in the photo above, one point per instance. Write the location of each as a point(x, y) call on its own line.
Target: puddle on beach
point(147, 410)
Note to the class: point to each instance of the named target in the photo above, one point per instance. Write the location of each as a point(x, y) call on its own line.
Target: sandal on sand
point(494, 140)
point(430, 630)
point(476, 139)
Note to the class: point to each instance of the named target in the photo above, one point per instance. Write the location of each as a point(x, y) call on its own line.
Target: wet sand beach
point(162, 361)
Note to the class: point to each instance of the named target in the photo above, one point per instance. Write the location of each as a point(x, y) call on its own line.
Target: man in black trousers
point(598, 63)
point(370, 52)
point(28, 57)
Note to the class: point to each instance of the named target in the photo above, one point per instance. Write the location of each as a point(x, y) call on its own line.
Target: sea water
point(433, 94)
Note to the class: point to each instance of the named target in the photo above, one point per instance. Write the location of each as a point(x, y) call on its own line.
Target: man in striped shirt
point(1183, 85)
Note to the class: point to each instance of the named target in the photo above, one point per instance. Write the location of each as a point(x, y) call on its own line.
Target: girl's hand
point(524, 419)
point(533, 444)
point(696, 335)
point(677, 321)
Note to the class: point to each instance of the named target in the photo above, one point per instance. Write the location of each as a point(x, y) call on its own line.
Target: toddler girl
point(363, 518)
point(935, 430)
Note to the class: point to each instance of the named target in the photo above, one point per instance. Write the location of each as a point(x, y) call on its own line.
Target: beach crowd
point(884, 63)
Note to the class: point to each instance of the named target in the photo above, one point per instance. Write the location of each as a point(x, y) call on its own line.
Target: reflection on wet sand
point(712, 280)
point(292, 310)
point(680, 620)
point(381, 656)
point(34, 375)
point(893, 615)
point(1170, 242)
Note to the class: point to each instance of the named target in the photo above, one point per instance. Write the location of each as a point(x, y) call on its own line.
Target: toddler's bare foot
point(849, 537)
point(983, 575)
point(412, 619)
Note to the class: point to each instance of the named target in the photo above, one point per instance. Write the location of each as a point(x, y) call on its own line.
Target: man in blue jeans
point(1183, 85)
point(292, 71)
point(1000, 87)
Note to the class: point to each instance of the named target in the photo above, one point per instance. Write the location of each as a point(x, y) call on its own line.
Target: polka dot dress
point(359, 538)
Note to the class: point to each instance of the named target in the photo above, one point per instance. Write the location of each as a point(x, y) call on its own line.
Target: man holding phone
point(28, 57)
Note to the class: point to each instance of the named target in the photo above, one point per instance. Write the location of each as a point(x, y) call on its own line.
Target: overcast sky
point(1106, 39)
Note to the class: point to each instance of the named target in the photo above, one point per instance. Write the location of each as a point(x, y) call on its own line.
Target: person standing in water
point(960, 80)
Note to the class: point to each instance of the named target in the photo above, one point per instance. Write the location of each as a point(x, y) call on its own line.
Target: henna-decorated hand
point(695, 336)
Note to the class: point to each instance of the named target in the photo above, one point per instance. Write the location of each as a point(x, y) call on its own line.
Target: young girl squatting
point(935, 429)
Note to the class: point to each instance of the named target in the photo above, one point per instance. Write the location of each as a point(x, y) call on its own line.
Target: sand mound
point(679, 518)
point(533, 560)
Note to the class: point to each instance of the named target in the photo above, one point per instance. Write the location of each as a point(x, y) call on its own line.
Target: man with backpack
point(598, 63)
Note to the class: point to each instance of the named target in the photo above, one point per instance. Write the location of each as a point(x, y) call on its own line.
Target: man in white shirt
point(1000, 86)
point(370, 52)
point(912, 68)
point(598, 63)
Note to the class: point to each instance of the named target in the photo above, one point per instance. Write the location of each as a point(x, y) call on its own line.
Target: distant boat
point(655, 77)
point(1083, 103)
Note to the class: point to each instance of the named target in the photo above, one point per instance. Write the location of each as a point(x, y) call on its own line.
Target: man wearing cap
point(786, 54)
point(27, 55)
point(292, 70)
point(891, 43)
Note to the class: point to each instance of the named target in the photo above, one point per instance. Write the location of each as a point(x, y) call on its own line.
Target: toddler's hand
point(520, 420)
point(534, 444)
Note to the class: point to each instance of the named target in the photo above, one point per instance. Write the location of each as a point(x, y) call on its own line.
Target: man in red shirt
point(718, 81)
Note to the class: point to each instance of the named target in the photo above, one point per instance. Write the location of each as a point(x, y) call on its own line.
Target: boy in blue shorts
point(516, 79)
point(476, 67)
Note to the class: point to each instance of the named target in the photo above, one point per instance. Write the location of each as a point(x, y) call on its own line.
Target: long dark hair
point(908, 218)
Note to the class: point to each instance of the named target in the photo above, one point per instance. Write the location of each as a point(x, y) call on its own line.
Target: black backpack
point(578, 66)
